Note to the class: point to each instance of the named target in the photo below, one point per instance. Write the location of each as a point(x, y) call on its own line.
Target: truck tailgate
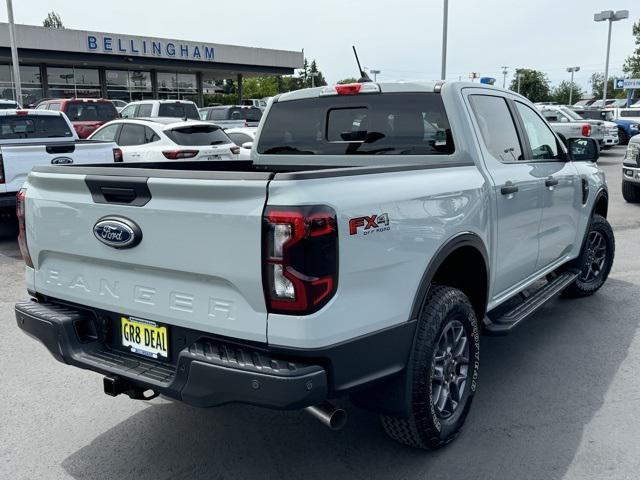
point(18, 160)
point(198, 265)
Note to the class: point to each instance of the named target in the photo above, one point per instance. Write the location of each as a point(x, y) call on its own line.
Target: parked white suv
point(158, 139)
point(161, 108)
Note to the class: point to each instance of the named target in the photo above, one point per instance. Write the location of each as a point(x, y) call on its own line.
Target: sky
point(402, 38)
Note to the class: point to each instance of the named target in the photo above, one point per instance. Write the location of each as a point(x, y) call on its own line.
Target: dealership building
point(64, 63)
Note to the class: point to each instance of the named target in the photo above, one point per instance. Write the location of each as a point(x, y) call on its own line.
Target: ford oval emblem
point(61, 161)
point(117, 232)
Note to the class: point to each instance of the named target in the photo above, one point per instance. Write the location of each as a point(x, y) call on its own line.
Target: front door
point(562, 189)
point(517, 192)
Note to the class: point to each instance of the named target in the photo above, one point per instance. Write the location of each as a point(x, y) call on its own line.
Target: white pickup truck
point(40, 137)
point(378, 229)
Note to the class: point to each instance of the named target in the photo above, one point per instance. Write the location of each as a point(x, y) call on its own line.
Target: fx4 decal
point(367, 225)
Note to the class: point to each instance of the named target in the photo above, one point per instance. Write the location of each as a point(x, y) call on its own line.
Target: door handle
point(508, 189)
point(551, 182)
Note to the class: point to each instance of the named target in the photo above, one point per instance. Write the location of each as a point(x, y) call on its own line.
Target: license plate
point(144, 337)
point(212, 157)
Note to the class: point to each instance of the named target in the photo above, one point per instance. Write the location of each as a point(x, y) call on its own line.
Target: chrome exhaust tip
point(331, 416)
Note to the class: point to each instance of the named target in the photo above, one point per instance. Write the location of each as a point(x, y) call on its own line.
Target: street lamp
point(505, 70)
point(375, 74)
point(313, 78)
point(572, 70)
point(14, 55)
point(445, 16)
point(612, 17)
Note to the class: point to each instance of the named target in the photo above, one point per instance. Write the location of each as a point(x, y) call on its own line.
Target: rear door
point(561, 192)
point(198, 265)
point(517, 188)
point(132, 140)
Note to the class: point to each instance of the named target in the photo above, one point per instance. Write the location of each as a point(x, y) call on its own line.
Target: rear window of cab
point(366, 124)
point(33, 126)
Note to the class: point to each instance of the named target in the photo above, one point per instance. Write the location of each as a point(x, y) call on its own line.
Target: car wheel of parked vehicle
point(595, 260)
point(442, 373)
point(631, 192)
point(623, 139)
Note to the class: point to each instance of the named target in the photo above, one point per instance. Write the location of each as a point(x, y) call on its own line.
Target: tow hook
point(114, 386)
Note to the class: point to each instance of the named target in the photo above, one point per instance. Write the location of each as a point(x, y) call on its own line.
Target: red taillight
point(349, 89)
point(300, 259)
point(1, 170)
point(22, 227)
point(117, 155)
point(178, 154)
point(586, 130)
point(22, 112)
point(235, 150)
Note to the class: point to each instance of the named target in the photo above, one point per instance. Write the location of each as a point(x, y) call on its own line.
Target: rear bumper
point(206, 373)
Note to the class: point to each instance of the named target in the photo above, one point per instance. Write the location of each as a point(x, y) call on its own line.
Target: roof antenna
point(363, 75)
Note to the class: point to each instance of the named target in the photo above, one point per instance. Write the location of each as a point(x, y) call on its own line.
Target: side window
point(128, 111)
point(150, 136)
point(239, 138)
point(108, 133)
point(544, 145)
point(496, 126)
point(131, 134)
point(54, 106)
point(144, 110)
point(551, 116)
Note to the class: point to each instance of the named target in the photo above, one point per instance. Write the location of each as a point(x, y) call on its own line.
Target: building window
point(129, 85)
point(30, 80)
point(182, 86)
point(68, 82)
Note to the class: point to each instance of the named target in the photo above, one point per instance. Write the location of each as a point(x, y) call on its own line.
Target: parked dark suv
point(232, 115)
point(86, 114)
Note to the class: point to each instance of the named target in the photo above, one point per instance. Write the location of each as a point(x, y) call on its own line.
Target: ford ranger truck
point(377, 231)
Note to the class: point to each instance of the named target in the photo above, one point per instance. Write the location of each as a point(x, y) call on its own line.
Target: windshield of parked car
point(91, 111)
point(33, 126)
point(179, 110)
point(630, 113)
point(366, 124)
point(198, 135)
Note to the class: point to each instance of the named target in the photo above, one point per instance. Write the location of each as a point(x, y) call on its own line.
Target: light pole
point(612, 17)
point(14, 55)
point(572, 70)
point(504, 75)
point(375, 74)
point(313, 78)
point(520, 75)
point(445, 15)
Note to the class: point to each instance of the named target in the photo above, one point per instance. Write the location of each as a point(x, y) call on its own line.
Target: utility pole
point(611, 17)
point(17, 84)
point(572, 70)
point(505, 70)
point(445, 18)
point(519, 80)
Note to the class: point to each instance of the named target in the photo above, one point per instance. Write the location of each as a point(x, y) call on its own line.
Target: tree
point(533, 84)
point(560, 94)
point(260, 87)
point(53, 20)
point(347, 80)
point(597, 87)
point(632, 64)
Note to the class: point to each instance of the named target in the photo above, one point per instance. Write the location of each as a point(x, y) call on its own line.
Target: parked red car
point(86, 114)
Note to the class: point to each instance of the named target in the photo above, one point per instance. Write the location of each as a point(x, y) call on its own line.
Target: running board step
point(509, 320)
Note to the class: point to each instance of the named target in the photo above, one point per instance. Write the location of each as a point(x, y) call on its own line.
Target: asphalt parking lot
point(557, 399)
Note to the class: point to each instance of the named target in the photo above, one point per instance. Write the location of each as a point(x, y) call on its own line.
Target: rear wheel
point(442, 373)
point(631, 192)
point(595, 260)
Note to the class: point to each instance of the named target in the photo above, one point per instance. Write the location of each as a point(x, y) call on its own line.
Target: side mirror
point(583, 149)
point(247, 145)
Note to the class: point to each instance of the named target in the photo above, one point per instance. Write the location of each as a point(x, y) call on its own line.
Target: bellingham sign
point(137, 46)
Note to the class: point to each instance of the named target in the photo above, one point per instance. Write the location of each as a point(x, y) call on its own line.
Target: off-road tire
point(423, 428)
point(631, 192)
point(584, 286)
